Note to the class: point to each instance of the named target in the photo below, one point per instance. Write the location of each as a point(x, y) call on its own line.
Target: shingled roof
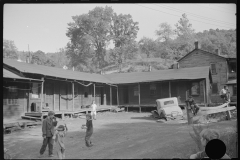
point(115, 78)
point(161, 75)
point(55, 72)
point(11, 75)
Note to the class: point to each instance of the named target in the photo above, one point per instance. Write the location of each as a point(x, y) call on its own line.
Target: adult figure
point(224, 94)
point(94, 110)
point(47, 133)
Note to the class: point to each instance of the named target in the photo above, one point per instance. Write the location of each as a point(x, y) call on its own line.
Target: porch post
point(54, 97)
point(204, 93)
point(40, 110)
point(110, 95)
point(94, 91)
point(139, 97)
point(104, 96)
point(117, 97)
point(169, 89)
point(73, 96)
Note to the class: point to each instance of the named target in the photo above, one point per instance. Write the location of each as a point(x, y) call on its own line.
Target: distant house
point(223, 68)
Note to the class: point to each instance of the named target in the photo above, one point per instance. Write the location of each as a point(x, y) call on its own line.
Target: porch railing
point(232, 75)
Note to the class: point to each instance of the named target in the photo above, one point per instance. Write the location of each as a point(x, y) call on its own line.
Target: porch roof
point(55, 72)
point(11, 75)
point(161, 75)
point(115, 78)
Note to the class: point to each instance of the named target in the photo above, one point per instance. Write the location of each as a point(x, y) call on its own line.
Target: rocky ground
point(123, 135)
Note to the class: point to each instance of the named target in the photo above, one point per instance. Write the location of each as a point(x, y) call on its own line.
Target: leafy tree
point(89, 32)
point(123, 33)
point(9, 49)
point(39, 58)
point(147, 46)
point(165, 32)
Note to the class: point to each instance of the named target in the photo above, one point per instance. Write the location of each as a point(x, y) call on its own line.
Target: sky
point(44, 26)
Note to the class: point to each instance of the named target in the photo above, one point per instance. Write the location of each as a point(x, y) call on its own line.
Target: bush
point(228, 137)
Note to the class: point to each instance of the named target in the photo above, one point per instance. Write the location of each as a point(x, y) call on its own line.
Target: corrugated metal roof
point(55, 72)
point(169, 74)
point(115, 78)
point(232, 82)
point(8, 74)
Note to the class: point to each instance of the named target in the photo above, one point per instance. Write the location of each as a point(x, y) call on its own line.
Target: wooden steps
point(31, 118)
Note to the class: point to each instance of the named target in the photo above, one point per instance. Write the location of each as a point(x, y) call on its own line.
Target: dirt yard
point(123, 135)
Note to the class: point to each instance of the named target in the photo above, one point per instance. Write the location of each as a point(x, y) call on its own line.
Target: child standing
point(60, 134)
point(89, 130)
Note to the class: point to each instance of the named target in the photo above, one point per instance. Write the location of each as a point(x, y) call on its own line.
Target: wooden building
point(60, 90)
point(64, 90)
point(141, 89)
point(222, 68)
point(15, 94)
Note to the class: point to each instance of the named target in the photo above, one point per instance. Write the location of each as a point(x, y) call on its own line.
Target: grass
point(228, 137)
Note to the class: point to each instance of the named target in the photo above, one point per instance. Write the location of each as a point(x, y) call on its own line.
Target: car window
point(168, 102)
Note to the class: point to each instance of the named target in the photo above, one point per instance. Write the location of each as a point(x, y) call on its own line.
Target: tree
point(165, 32)
point(89, 32)
point(9, 49)
point(39, 58)
point(184, 28)
point(147, 46)
point(123, 33)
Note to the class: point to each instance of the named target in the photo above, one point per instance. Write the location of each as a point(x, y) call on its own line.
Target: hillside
point(140, 65)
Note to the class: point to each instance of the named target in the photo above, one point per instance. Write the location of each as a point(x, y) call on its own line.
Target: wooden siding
point(15, 111)
point(178, 89)
point(199, 58)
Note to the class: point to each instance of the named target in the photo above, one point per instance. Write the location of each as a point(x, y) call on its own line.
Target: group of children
point(53, 135)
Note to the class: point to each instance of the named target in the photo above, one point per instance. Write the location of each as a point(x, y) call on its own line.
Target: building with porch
point(68, 91)
point(223, 68)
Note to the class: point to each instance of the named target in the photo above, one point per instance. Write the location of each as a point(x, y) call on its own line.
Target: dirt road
point(116, 135)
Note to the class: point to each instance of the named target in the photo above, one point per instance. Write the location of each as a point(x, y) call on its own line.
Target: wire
point(21, 81)
point(178, 10)
point(178, 16)
point(21, 89)
point(213, 9)
point(84, 84)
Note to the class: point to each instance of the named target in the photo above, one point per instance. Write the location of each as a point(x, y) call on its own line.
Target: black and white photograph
point(120, 81)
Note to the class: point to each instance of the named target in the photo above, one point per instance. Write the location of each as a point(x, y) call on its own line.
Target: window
point(35, 90)
point(215, 88)
point(195, 89)
point(168, 102)
point(135, 91)
point(213, 68)
point(153, 89)
point(12, 96)
point(234, 90)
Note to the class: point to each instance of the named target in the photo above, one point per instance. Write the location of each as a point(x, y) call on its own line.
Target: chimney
point(196, 45)
point(217, 52)
point(149, 68)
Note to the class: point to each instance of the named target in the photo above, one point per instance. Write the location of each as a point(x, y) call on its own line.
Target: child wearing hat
point(47, 133)
point(61, 132)
point(207, 135)
point(89, 130)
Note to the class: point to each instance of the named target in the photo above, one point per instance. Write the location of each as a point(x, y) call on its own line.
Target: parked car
point(170, 106)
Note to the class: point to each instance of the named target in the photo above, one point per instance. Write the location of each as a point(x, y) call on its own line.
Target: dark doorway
point(125, 95)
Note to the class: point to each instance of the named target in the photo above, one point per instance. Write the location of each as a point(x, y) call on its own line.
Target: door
point(49, 95)
point(125, 95)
